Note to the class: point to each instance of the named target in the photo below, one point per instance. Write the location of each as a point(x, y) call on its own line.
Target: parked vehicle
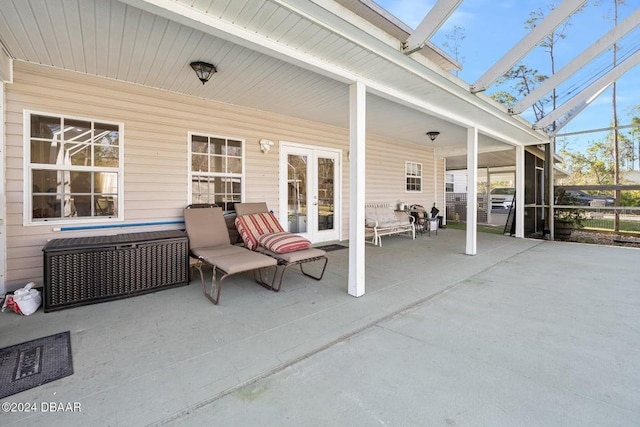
point(579, 197)
point(502, 197)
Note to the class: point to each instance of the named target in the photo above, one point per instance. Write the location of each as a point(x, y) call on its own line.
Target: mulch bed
point(609, 239)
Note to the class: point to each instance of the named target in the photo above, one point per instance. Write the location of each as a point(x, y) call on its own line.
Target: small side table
point(422, 223)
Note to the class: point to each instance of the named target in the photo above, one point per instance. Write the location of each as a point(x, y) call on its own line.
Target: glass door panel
point(297, 193)
point(326, 194)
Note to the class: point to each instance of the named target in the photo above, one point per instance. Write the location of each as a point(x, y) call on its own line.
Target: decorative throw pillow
point(283, 242)
point(251, 227)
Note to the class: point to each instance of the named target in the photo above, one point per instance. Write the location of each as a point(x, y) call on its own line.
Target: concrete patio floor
point(524, 333)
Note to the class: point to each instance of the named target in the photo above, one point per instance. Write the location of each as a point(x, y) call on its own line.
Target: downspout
point(6, 76)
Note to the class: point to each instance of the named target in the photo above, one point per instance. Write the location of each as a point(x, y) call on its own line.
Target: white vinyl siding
point(156, 164)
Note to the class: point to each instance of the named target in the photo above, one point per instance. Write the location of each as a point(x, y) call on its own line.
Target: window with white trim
point(449, 184)
point(413, 172)
point(73, 168)
point(216, 170)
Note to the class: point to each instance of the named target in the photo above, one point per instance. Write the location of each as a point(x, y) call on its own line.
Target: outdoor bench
point(382, 220)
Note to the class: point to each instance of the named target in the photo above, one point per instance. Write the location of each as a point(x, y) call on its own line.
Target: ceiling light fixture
point(203, 70)
point(433, 135)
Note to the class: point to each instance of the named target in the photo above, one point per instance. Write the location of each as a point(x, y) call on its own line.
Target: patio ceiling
point(292, 57)
point(492, 159)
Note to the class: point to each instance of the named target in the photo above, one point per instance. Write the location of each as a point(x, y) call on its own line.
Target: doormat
point(33, 363)
point(330, 248)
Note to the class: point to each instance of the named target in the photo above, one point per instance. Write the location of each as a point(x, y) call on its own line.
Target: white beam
point(357, 146)
point(484, 148)
point(528, 42)
point(562, 121)
point(431, 23)
point(520, 192)
point(472, 191)
point(592, 52)
point(590, 93)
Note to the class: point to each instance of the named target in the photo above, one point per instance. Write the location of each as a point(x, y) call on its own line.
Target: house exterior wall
point(155, 140)
point(385, 173)
point(459, 180)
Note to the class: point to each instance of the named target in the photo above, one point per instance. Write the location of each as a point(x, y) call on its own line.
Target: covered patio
point(327, 78)
point(172, 357)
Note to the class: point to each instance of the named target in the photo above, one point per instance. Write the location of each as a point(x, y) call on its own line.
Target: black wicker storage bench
point(87, 270)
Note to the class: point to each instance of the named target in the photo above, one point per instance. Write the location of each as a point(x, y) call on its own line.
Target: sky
point(492, 27)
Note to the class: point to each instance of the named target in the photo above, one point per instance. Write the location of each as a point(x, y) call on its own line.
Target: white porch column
point(357, 140)
point(488, 191)
point(3, 234)
point(443, 208)
point(520, 191)
point(472, 191)
point(551, 197)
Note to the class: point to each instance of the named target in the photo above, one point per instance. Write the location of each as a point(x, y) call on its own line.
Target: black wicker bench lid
point(117, 239)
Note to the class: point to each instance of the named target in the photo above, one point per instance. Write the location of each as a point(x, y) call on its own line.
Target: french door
point(310, 191)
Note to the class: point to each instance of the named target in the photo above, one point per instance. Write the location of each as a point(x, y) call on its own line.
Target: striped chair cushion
point(283, 242)
point(251, 227)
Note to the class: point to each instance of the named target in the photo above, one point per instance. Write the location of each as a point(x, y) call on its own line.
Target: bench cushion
point(238, 261)
point(298, 256)
point(383, 217)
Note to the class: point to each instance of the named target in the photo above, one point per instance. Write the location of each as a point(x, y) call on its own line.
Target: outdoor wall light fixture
point(265, 145)
point(433, 135)
point(203, 70)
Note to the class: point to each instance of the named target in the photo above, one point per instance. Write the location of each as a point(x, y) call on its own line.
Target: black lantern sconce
point(203, 70)
point(433, 135)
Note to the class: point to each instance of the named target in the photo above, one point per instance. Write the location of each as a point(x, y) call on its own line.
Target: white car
point(502, 198)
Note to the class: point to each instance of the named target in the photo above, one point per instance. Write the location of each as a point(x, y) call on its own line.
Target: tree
point(616, 135)
point(599, 156)
point(524, 80)
point(548, 43)
point(626, 151)
point(505, 98)
point(453, 43)
point(593, 166)
point(635, 137)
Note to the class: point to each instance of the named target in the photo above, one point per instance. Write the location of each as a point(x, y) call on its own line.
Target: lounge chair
point(209, 244)
point(262, 232)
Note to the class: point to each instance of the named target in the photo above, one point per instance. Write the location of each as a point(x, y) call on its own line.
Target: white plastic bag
point(24, 301)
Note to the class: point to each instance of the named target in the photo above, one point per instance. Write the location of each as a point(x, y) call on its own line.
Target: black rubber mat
point(33, 363)
point(330, 248)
